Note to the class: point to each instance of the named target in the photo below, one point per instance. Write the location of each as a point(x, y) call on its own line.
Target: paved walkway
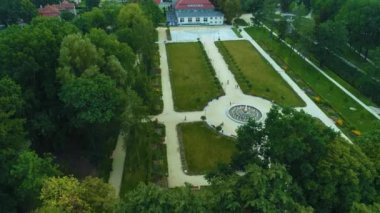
point(170, 118)
point(118, 157)
point(216, 109)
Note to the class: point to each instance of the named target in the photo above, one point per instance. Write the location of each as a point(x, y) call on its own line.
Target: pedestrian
point(185, 117)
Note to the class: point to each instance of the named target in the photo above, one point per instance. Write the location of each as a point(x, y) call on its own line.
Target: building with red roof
point(50, 11)
point(55, 10)
point(196, 12)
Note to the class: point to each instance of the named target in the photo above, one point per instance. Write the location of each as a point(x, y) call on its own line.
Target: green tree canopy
point(68, 194)
point(15, 11)
point(92, 3)
point(331, 173)
point(231, 9)
point(362, 19)
point(330, 36)
point(92, 99)
point(258, 190)
point(28, 173)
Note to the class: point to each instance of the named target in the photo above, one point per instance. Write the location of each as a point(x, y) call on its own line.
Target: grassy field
point(204, 147)
point(255, 75)
point(309, 78)
point(192, 77)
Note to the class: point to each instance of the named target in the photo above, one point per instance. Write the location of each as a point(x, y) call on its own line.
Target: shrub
point(356, 132)
point(339, 122)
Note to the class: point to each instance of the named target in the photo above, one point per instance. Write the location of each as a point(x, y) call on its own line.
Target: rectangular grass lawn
point(359, 118)
point(256, 76)
point(192, 77)
point(204, 147)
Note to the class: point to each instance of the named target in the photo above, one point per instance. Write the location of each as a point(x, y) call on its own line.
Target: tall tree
point(370, 145)
point(344, 175)
point(28, 173)
point(92, 99)
point(152, 11)
point(362, 20)
point(330, 36)
point(15, 11)
point(92, 3)
point(12, 139)
point(68, 194)
point(285, 5)
point(35, 72)
point(231, 9)
point(137, 30)
point(326, 9)
point(258, 190)
point(332, 173)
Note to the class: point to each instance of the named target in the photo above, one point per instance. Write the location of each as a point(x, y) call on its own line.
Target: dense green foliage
point(331, 173)
point(230, 8)
point(291, 163)
point(16, 11)
point(70, 88)
point(68, 194)
point(23, 171)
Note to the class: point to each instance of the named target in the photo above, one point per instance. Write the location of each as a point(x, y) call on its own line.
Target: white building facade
point(197, 12)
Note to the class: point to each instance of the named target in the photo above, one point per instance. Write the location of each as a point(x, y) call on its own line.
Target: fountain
point(242, 113)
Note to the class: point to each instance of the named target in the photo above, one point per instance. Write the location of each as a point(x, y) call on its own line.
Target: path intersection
point(216, 110)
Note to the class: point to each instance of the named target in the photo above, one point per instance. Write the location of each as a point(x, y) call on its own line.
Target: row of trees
point(69, 88)
point(329, 33)
point(339, 23)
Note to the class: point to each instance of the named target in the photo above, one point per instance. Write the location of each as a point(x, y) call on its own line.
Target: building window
point(190, 19)
point(181, 20)
point(197, 19)
point(205, 19)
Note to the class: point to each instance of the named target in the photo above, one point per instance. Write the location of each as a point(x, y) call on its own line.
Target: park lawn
point(263, 80)
point(204, 148)
point(192, 77)
point(304, 73)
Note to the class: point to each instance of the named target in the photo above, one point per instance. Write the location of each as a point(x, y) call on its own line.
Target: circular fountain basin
point(242, 113)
